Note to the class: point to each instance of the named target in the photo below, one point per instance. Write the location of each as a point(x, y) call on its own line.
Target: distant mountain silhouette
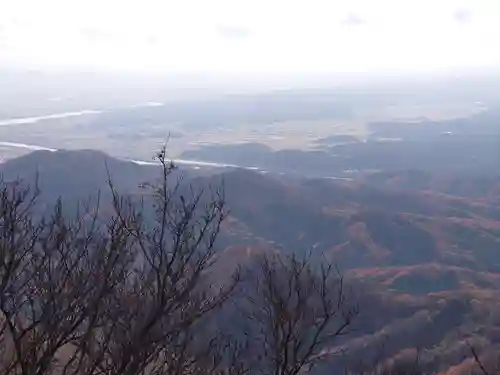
point(76, 173)
point(462, 153)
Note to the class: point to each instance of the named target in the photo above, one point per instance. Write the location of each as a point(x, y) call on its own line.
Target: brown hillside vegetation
point(421, 256)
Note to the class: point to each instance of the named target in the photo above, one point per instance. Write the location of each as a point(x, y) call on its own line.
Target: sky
point(251, 36)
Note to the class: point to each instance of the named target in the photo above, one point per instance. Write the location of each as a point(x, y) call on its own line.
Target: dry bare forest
point(117, 292)
point(134, 284)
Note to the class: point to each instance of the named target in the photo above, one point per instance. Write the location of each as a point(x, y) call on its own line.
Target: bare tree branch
point(295, 312)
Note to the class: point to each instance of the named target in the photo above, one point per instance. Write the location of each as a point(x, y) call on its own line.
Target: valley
point(397, 184)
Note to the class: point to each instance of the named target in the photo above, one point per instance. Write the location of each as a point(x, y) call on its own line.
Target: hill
point(421, 251)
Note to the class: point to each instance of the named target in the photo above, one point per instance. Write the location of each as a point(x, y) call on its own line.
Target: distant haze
point(251, 36)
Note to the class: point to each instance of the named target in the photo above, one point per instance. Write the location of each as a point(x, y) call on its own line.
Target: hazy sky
point(251, 36)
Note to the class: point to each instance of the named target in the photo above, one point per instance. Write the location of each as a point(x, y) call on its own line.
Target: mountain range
point(421, 248)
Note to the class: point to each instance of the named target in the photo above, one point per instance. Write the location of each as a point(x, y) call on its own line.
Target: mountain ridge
point(428, 262)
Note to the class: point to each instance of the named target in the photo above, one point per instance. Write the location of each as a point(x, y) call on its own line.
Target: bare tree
point(295, 312)
point(488, 364)
point(132, 292)
point(128, 297)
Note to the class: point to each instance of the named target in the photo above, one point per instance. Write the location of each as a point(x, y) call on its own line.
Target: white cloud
point(230, 31)
point(266, 35)
point(353, 19)
point(463, 15)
